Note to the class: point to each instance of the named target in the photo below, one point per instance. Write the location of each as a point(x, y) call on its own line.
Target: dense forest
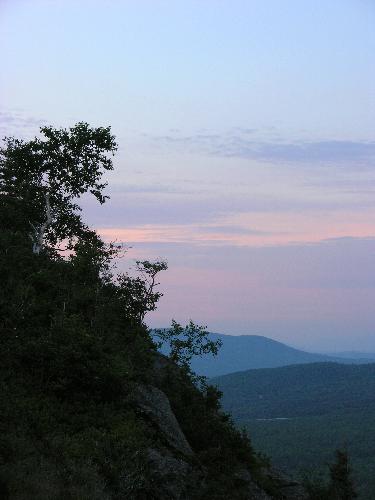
point(299, 414)
point(298, 390)
point(74, 345)
point(89, 409)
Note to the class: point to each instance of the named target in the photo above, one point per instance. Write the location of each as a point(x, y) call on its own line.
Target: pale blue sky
point(246, 133)
point(305, 67)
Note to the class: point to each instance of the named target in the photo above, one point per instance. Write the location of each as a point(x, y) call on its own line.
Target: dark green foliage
point(222, 449)
point(40, 180)
point(303, 445)
point(69, 345)
point(299, 414)
point(68, 356)
point(184, 343)
point(341, 485)
point(73, 343)
point(138, 295)
point(298, 390)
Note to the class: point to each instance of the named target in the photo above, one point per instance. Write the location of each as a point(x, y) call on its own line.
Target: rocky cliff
point(178, 471)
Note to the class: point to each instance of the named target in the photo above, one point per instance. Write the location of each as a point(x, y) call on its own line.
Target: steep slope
point(88, 408)
point(198, 454)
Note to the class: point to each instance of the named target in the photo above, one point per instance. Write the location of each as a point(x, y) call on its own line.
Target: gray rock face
point(174, 471)
point(171, 471)
point(173, 477)
point(254, 492)
point(155, 405)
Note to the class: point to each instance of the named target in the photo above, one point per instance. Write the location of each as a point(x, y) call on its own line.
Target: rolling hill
point(244, 352)
point(300, 414)
point(353, 355)
point(298, 390)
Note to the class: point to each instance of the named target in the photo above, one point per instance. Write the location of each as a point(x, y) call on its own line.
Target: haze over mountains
point(354, 355)
point(246, 352)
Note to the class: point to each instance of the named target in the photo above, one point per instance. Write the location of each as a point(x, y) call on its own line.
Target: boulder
point(173, 469)
point(155, 406)
point(173, 478)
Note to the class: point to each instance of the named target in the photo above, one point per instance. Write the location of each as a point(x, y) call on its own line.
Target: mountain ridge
point(297, 390)
point(298, 414)
point(244, 352)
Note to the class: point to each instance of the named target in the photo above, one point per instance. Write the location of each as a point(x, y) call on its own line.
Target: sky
point(246, 149)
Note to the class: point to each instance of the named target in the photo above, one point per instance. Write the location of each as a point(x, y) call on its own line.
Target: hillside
point(88, 408)
point(298, 390)
point(299, 414)
point(245, 352)
point(353, 355)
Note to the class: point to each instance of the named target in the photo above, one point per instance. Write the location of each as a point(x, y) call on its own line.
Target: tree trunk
point(40, 231)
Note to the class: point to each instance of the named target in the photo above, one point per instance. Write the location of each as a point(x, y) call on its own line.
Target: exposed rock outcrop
point(175, 471)
point(173, 477)
point(156, 407)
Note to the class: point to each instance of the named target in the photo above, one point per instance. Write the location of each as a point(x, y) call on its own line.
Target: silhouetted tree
point(341, 485)
point(41, 179)
point(185, 342)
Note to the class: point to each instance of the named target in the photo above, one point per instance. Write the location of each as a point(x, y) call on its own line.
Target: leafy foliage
point(69, 344)
point(138, 294)
point(40, 180)
point(186, 342)
point(339, 486)
point(222, 449)
point(73, 341)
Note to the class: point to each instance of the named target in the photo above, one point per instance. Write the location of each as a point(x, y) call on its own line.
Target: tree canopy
point(74, 343)
point(41, 179)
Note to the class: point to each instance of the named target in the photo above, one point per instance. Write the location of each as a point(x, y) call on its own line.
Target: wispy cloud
point(17, 122)
point(145, 189)
point(326, 263)
point(323, 151)
point(352, 185)
point(304, 291)
point(192, 234)
point(248, 229)
point(133, 209)
point(232, 230)
point(243, 143)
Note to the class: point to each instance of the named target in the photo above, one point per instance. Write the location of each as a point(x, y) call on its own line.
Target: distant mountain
point(353, 355)
point(298, 390)
point(245, 352)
